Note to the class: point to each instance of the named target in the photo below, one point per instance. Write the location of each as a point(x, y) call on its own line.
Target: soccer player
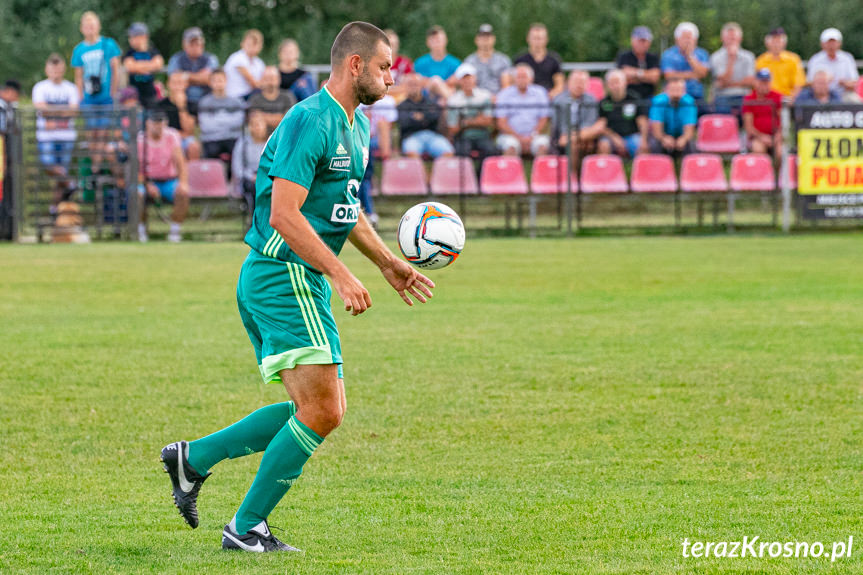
point(306, 207)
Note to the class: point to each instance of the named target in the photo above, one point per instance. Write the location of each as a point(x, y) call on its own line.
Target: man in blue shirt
point(686, 61)
point(673, 116)
point(438, 66)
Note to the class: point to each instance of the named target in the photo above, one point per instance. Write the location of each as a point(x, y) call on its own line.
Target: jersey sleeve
point(300, 146)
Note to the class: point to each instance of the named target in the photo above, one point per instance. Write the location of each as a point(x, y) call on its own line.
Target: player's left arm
point(404, 278)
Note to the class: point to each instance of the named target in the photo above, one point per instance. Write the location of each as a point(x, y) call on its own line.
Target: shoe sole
point(173, 497)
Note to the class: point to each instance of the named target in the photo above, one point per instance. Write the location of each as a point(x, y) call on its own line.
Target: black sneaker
point(259, 539)
point(185, 480)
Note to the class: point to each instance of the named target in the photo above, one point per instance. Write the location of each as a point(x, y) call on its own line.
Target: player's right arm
point(300, 236)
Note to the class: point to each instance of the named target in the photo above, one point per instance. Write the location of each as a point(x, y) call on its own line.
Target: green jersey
point(316, 147)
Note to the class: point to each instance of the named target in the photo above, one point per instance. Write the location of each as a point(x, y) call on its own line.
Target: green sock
point(251, 434)
point(281, 465)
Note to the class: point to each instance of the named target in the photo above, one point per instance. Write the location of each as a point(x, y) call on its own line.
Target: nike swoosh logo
point(185, 485)
point(258, 547)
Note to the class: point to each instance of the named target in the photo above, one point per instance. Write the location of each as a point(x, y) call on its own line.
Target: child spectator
point(197, 64)
point(247, 155)
point(243, 68)
point(547, 71)
point(141, 61)
point(292, 76)
point(221, 119)
point(271, 103)
point(162, 173)
point(176, 107)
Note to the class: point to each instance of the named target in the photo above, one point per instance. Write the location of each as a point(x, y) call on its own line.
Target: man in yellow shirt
point(785, 67)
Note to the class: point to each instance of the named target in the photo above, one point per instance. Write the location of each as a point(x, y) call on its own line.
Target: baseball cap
point(156, 115)
point(465, 70)
point(485, 29)
point(831, 34)
point(642, 33)
point(138, 29)
point(763, 74)
point(778, 31)
point(193, 33)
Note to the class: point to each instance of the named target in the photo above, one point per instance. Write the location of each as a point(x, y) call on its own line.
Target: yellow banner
point(830, 161)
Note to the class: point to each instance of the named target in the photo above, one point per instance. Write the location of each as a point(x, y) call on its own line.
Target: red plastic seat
point(860, 87)
point(596, 88)
point(718, 134)
point(603, 173)
point(452, 175)
point(752, 172)
point(403, 177)
point(502, 175)
point(548, 175)
point(790, 175)
point(207, 179)
point(703, 173)
point(653, 173)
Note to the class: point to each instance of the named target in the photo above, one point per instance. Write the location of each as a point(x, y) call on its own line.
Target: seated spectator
point(271, 102)
point(492, 67)
point(785, 67)
point(197, 64)
point(176, 108)
point(291, 76)
point(243, 68)
point(56, 100)
point(162, 174)
point(469, 115)
point(246, 157)
point(419, 116)
point(639, 64)
point(221, 119)
point(673, 117)
point(819, 91)
point(546, 66)
point(686, 61)
point(576, 116)
point(11, 91)
point(840, 64)
point(382, 115)
point(623, 118)
point(437, 66)
point(522, 114)
point(761, 116)
point(733, 71)
point(141, 61)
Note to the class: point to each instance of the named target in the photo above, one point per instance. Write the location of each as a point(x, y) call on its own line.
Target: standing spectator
point(469, 115)
point(819, 92)
point(840, 64)
point(176, 107)
point(785, 67)
point(221, 119)
point(291, 76)
point(438, 66)
point(402, 65)
point(56, 99)
point(639, 64)
point(733, 71)
point(673, 116)
point(546, 66)
point(382, 115)
point(623, 118)
point(162, 174)
point(492, 67)
point(761, 116)
point(243, 68)
point(686, 61)
point(576, 116)
point(419, 116)
point(141, 61)
point(522, 114)
point(247, 155)
point(271, 103)
point(197, 64)
point(11, 91)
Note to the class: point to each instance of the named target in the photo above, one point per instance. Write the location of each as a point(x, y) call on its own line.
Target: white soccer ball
point(431, 235)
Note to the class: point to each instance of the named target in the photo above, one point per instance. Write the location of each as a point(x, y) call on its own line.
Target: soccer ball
point(431, 235)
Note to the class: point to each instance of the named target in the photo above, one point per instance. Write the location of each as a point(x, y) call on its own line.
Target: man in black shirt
point(141, 61)
point(547, 71)
point(419, 116)
point(175, 107)
point(624, 118)
point(640, 66)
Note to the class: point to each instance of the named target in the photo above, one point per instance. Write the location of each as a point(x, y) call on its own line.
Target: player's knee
point(323, 418)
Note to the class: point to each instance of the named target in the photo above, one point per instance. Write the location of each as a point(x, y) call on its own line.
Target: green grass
point(559, 407)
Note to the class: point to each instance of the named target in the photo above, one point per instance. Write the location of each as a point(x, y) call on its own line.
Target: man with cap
point(686, 61)
point(141, 61)
point(733, 71)
point(492, 67)
point(197, 63)
point(761, 116)
point(639, 64)
point(833, 59)
point(469, 114)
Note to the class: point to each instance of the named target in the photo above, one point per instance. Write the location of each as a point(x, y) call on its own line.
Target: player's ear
point(355, 64)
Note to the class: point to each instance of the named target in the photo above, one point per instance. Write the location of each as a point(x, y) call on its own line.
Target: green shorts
point(285, 309)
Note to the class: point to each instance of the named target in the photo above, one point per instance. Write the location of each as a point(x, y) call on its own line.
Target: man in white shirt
point(243, 68)
point(469, 115)
point(833, 59)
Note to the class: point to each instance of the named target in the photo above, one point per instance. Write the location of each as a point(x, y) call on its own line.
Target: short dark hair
point(359, 38)
point(12, 84)
point(436, 29)
point(218, 71)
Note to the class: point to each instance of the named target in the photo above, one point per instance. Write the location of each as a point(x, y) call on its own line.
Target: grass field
point(559, 407)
